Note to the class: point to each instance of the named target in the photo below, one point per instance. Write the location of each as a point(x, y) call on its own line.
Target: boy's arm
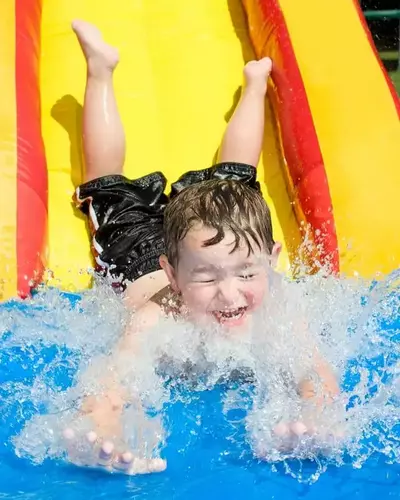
point(140, 323)
point(113, 397)
point(320, 393)
point(105, 409)
point(326, 388)
point(320, 385)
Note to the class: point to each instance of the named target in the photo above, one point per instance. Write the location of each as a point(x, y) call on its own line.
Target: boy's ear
point(169, 271)
point(276, 250)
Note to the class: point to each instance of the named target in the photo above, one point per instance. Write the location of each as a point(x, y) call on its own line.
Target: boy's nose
point(228, 292)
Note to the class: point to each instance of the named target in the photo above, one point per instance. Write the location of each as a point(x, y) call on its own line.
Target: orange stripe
point(31, 163)
point(302, 151)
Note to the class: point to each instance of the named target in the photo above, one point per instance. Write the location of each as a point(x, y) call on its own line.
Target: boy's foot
point(256, 74)
point(101, 58)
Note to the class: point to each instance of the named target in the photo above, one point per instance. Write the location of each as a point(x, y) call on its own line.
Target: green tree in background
point(386, 36)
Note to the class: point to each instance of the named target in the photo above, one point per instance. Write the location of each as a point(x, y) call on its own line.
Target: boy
point(201, 255)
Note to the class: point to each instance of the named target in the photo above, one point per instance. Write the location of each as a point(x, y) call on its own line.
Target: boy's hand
point(291, 434)
point(94, 450)
point(321, 425)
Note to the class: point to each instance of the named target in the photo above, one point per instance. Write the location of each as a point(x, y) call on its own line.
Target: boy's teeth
point(231, 314)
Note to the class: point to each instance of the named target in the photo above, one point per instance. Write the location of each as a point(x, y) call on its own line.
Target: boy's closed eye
point(249, 271)
point(247, 276)
point(203, 274)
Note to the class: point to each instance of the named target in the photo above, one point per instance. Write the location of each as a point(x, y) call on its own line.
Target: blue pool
point(211, 460)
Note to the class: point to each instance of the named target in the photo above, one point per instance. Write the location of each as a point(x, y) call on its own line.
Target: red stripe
point(392, 88)
point(299, 138)
point(31, 162)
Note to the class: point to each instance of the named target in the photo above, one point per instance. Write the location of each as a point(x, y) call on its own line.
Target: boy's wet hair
point(225, 205)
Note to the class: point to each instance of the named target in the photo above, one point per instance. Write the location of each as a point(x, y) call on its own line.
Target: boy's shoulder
point(163, 304)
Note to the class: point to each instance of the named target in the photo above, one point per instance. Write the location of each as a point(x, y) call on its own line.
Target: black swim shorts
point(126, 217)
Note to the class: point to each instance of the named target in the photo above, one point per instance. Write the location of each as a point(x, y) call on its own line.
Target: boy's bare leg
point(103, 133)
point(104, 137)
point(243, 138)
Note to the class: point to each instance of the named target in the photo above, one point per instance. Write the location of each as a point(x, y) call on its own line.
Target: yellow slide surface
point(8, 154)
point(177, 84)
point(356, 118)
point(330, 163)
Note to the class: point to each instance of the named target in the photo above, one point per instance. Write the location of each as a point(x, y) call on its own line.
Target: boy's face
point(216, 284)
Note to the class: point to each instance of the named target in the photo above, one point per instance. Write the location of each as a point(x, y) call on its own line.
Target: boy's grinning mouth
point(227, 315)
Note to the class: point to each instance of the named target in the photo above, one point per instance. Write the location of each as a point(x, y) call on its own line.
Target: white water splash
point(354, 327)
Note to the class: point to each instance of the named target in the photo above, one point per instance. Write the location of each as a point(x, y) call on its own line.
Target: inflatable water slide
point(330, 167)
